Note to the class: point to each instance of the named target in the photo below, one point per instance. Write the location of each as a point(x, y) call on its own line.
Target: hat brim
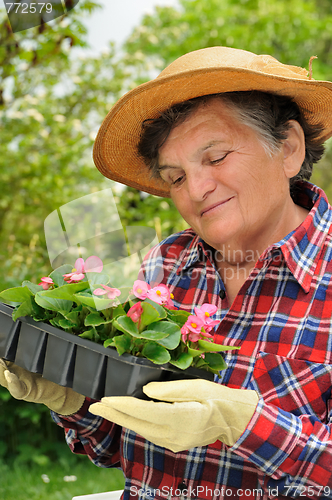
point(115, 150)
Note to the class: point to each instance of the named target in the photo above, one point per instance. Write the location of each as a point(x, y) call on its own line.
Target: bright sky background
point(117, 19)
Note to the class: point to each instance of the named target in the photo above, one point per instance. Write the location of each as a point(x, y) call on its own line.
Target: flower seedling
point(142, 321)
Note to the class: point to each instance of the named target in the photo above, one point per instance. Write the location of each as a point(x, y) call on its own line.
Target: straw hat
point(202, 72)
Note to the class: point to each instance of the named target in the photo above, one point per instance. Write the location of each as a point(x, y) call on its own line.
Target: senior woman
point(231, 137)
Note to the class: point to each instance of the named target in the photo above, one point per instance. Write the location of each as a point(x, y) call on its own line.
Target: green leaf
point(95, 319)
point(66, 292)
point(38, 313)
point(178, 316)
point(17, 294)
point(93, 302)
point(72, 316)
point(109, 343)
point(183, 361)
point(172, 331)
point(200, 363)
point(215, 361)
point(97, 278)
point(88, 334)
point(156, 353)
point(65, 324)
point(194, 352)
point(122, 343)
point(32, 286)
point(57, 274)
point(126, 325)
point(53, 304)
point(149, 315)
point(25, 309)
point(206, 346)
point(55, 321)
point(161, 311)
point(118, 311)
point(153, 335)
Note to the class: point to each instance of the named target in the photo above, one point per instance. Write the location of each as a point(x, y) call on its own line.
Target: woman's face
point(224, 183)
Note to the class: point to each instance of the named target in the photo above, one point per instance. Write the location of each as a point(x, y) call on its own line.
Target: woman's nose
point(200, 184)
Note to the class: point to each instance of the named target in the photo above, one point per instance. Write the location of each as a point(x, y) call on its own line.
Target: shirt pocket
point(295, 385)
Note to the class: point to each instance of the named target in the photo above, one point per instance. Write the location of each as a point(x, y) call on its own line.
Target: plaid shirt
point(281, 318)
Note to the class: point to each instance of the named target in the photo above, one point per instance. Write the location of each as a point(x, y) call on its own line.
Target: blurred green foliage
point(52, 103)
point(137, 208)
point(51, 107)
point(27, 433)
point(49, 481)
point(290, 30)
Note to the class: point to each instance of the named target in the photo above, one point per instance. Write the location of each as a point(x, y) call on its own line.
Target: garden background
point(53, 98)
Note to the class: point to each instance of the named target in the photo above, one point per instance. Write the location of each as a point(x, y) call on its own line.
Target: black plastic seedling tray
point(86, 367)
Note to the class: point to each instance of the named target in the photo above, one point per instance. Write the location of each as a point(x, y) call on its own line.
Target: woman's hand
point(34, 388)
point(193, 413)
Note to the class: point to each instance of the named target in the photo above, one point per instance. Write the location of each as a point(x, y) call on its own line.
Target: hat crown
point(226, 57)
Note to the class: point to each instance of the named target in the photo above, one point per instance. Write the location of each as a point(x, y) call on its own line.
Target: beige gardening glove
point(198, 412)
point(32, 387)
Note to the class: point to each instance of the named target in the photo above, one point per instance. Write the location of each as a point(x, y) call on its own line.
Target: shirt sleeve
point(88, 434)
point(295, 452)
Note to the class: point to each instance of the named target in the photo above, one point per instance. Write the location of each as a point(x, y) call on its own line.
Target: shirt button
point(222, 294)
point(182, 486)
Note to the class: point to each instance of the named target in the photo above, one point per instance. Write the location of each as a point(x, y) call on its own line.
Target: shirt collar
point(301, 248)
point(197, 251)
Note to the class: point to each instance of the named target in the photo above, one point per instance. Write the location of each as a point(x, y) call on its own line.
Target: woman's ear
point(293, 149)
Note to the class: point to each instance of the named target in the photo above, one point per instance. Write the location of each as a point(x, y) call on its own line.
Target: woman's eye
point(218, 160)
point(177, 180)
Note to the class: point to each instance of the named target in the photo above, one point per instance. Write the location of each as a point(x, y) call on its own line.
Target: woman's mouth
point(212, 207)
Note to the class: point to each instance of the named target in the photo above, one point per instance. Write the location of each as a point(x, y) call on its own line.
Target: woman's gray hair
point(267, 114)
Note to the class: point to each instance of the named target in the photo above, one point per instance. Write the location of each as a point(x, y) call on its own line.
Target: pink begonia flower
point(170, 304)
point(194, 329)
point(135, 312)
point(92, 264)
point(194, 323)
point(205, 311)
point(184, 332)
point(194, 337)
point(79, 265)
point(46, 282)
point(111, 293)
point(140, 289)
point(73, 277)
point(210, 325)
point(204, 333)
point(160, 294)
